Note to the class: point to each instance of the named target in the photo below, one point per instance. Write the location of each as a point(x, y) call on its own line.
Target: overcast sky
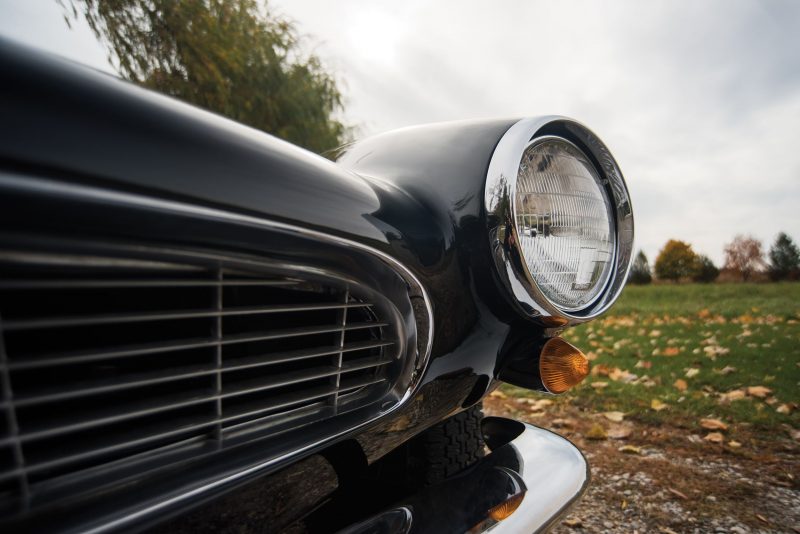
point(698, 101)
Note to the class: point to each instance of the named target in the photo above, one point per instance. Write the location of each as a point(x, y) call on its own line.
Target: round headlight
point(559, 219)
point(564, 223)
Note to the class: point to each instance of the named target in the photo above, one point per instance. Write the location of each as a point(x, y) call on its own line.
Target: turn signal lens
point(505, 509)
point(561, 365)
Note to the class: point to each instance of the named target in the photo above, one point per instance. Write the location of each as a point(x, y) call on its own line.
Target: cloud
point(698, 101)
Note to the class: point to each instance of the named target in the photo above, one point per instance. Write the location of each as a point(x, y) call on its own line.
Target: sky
point(698, 101)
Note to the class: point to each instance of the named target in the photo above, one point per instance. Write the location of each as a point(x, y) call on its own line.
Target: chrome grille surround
point(234, 443)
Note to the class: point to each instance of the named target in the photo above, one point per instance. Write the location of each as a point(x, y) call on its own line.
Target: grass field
point(679, 353)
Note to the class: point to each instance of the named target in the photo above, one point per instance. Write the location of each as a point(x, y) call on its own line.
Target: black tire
point(449, 447)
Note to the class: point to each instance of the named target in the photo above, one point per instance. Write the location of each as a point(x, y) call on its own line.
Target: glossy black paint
point(415, 194)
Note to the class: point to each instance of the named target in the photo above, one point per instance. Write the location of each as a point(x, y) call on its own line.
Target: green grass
point(756, 328)
point(729, 300)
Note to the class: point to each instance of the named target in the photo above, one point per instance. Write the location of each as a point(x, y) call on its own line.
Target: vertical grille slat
point(125, 366)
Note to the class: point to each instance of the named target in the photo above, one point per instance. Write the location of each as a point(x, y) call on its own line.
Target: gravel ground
point(664, 479)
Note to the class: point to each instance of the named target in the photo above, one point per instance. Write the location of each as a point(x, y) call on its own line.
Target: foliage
point(640, 270)
point(229, 56)
point(784, 258)
point(704, 270)
point(744, 256)
point(675, 261)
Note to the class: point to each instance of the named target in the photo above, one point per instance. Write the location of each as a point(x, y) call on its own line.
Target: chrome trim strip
point(83, 192)
point(501, 180)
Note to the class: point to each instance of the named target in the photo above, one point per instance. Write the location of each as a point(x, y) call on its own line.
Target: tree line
point(744, 258)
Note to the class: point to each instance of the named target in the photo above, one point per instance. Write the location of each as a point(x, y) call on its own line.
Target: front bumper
point(545, 469)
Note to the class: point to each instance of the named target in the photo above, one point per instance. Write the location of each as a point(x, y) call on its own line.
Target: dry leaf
point(734, 444)
point(596, 432)
point(762, 518)
point(736, 394)
point(655, 333)
point(600, 369)
point(629, 449)
point(573, 522)
point(678, 493)
point(784, 409)
point(617, 374)
point(726, 370)
point(713, 424)
point(643, 364)
point(657, 405)
point(680, 384)
point(620, 432)
point(599, 385)
point(671, 351)
point(714, 437)
point(498, 394)
point(691, 373)
point(758, 391)
point(616, 417)
point(705, 313)
point(559, 423)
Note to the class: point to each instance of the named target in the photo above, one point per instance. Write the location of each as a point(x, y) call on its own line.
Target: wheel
point(449, 447)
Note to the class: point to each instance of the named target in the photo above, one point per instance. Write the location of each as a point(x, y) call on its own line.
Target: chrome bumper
point(546, 469)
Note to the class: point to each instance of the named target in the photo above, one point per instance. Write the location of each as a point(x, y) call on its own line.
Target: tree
point(232, 57)
point(784, 258)
point(704, 270)
point(675, 261)
point(640, 270)
point(744, 256)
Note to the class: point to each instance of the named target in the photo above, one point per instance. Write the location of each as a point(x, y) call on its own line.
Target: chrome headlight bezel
point(501, 186)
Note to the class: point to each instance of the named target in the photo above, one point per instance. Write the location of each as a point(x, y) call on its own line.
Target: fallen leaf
point(704, 313)
point(620, 432)
point(671, 351)
point(762, 518)
point(629, 449)
point(599, 385)
point(714, 437)
point(623, 504)
point(667, 530)
point(655, 333)
point(713, 424)
point(736, 394)
point(784, 409)
point(691, 373)
point(680, 384)
point(657, 405)
point(725, 370)
point(616, 417)
point(758, 391)
point(734, 444)
point(678, 493)
point(643, 364)
point(559, 423)
point(497, 394)
point(617, 375)
point(573, 522)
point(600, 369)
point(597, 432)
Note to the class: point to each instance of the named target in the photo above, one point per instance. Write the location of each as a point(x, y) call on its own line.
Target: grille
point(111, 368)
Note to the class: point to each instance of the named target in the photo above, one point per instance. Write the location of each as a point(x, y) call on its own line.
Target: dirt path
point(666, 479)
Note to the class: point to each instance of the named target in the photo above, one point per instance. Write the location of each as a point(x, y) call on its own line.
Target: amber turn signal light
point(506, 508)
point(561, 365)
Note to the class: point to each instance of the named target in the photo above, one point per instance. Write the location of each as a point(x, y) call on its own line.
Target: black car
point(205, 328)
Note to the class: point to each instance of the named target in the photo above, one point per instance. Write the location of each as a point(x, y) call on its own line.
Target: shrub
point(675, 261)
point(640, 270)
point(704, 270)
